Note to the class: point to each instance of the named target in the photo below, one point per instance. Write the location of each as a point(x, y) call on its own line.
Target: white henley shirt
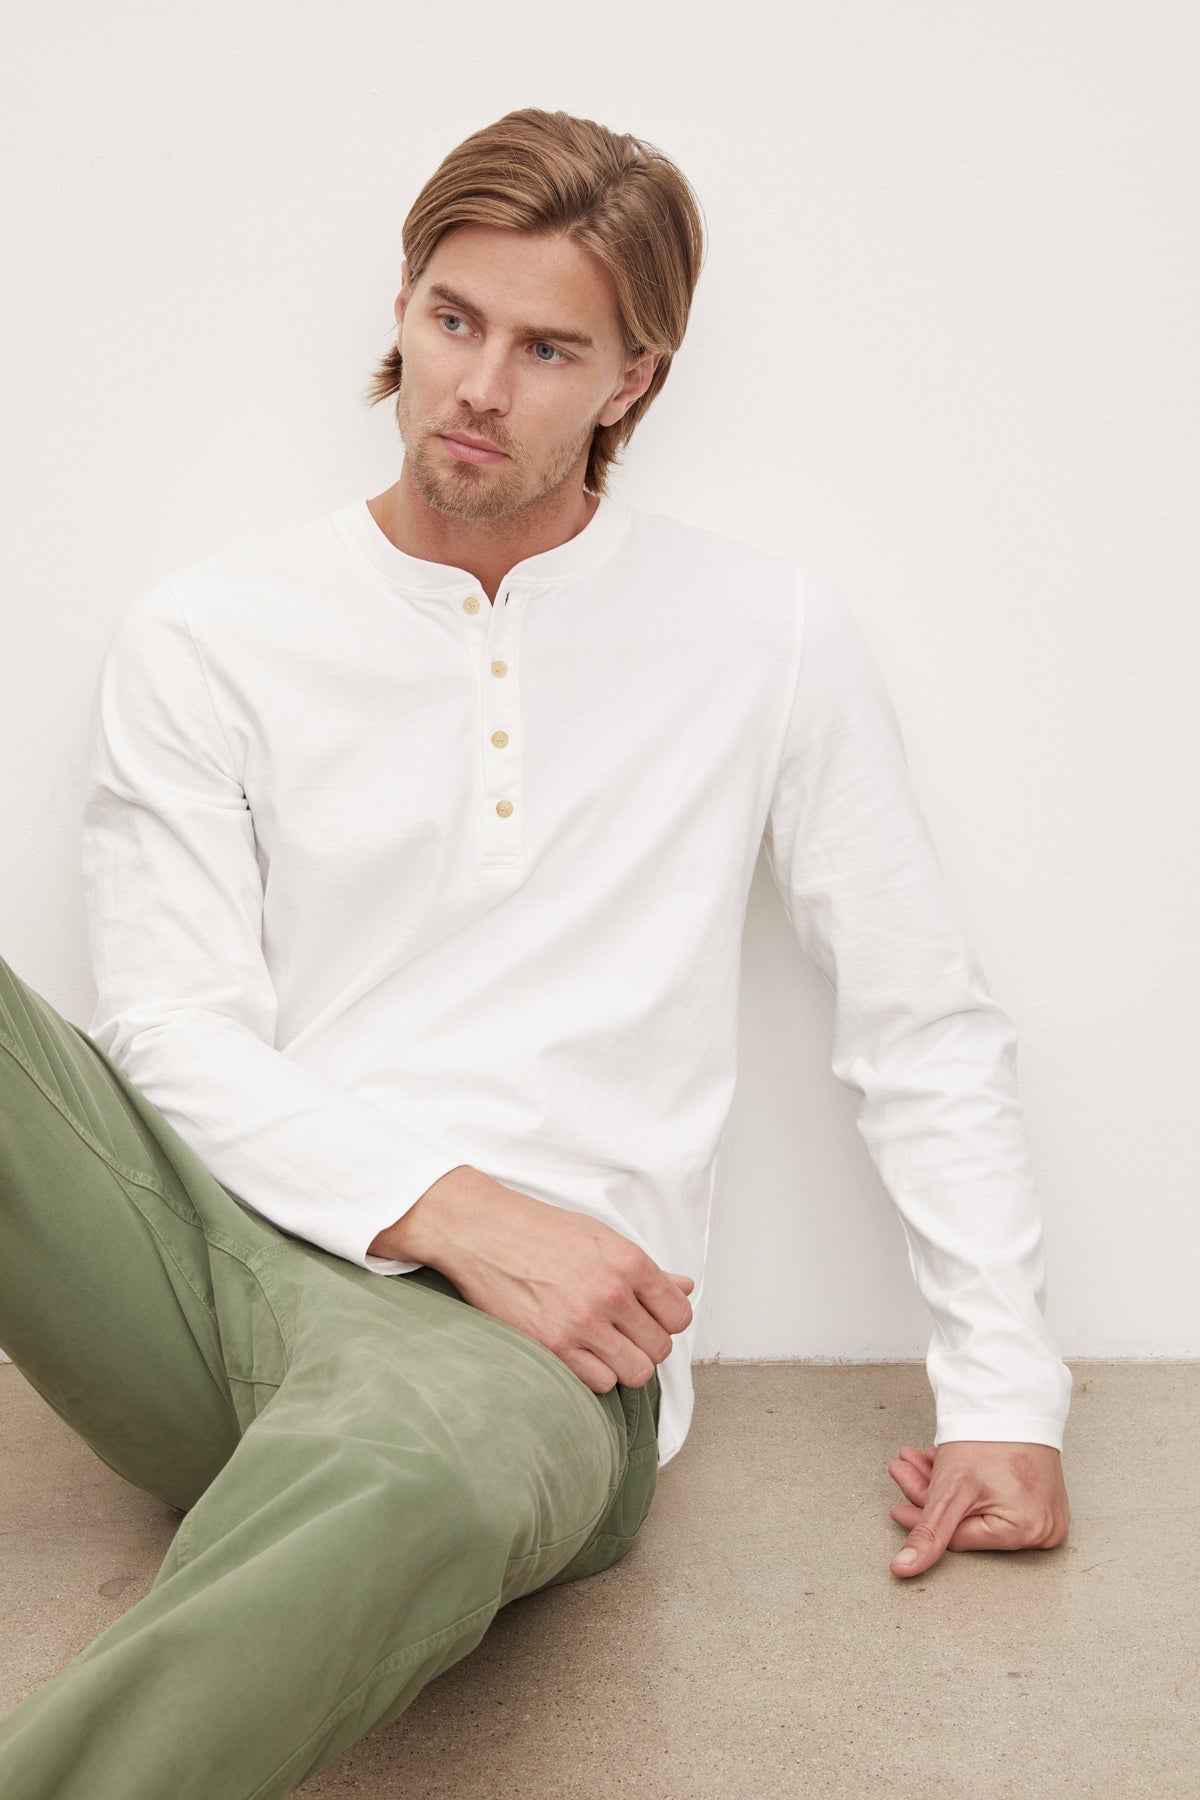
point(382, 878)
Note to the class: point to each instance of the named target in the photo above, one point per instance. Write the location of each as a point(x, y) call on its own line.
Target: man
point(363, 1224)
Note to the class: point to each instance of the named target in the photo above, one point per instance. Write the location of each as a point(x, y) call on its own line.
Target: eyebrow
point(540, 332)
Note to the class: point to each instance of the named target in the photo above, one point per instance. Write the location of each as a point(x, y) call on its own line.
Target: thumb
point(922, 1548)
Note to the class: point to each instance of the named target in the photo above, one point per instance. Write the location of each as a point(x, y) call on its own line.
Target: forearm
point(942, 1120)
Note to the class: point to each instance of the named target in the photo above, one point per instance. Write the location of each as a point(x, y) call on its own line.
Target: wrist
point(420, 1234)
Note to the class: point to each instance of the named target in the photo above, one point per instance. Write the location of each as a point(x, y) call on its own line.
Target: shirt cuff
point(1008, 1428)
point(386, 1265)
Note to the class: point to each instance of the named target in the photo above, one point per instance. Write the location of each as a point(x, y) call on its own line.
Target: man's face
point(512, 355)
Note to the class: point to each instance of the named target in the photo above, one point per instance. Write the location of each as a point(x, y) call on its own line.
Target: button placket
point(500, 749)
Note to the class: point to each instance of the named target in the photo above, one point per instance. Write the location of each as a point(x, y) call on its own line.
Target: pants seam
point(613, 1537)
point(254, 1266)
point(137, 1177)
point(171, 1257)
point(586, 1530)
point(82, 1131)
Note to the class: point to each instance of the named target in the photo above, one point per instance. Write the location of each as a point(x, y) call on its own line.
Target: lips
point(471, 449)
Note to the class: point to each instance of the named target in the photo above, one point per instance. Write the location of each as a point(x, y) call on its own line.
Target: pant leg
point(361, 1499)
point(110, 1228)
point(418, 1465)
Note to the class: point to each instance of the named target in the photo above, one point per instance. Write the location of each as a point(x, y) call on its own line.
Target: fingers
point(908, 1516)
point(611, 1327)
point(612, 1358)
point(920, 1459)
point(662, 1297)
point(929, 1537)
point(590, 1370)
point(977, 1531)
point(911, 1477)
point(633, 1351)
point(617, 1323)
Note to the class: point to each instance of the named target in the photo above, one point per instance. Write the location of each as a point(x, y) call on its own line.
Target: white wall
point(944, 348)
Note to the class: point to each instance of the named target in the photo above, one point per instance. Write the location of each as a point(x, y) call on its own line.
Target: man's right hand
point(598, 1302)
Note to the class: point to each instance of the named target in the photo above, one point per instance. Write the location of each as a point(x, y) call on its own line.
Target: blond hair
point(615, 195)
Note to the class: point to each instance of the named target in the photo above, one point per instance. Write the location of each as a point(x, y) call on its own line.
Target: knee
point(477, 1506)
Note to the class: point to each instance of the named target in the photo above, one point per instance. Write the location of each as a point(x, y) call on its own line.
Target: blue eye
point(550, 347)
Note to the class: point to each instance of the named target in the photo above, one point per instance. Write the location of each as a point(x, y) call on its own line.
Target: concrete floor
point(753, 1644)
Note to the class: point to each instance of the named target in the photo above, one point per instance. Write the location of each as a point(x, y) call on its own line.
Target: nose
point(484, 385)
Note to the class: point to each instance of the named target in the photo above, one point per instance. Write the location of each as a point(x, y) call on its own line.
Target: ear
point(638, 377)
point(404, 296)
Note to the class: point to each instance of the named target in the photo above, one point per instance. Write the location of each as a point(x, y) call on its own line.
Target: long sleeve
point(185, 1003)
point(917, 1036)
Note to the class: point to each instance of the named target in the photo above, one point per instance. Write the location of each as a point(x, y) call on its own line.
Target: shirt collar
point(598, 539)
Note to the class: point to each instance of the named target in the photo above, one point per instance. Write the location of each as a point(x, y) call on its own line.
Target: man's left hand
point(968, 1495)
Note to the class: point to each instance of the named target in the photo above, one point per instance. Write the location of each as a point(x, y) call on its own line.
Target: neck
point(489, 548)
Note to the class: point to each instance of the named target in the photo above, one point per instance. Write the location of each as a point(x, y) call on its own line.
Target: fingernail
point(907, 1556)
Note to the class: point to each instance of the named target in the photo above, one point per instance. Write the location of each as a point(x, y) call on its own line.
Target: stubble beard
point(475, 493)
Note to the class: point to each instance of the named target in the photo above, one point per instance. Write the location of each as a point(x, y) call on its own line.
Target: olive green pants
point(368, 1467)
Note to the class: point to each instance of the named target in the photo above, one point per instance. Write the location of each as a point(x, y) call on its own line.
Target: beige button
point(499, 738)
point(471, 604)
point(504, 807)
point(499, 668)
